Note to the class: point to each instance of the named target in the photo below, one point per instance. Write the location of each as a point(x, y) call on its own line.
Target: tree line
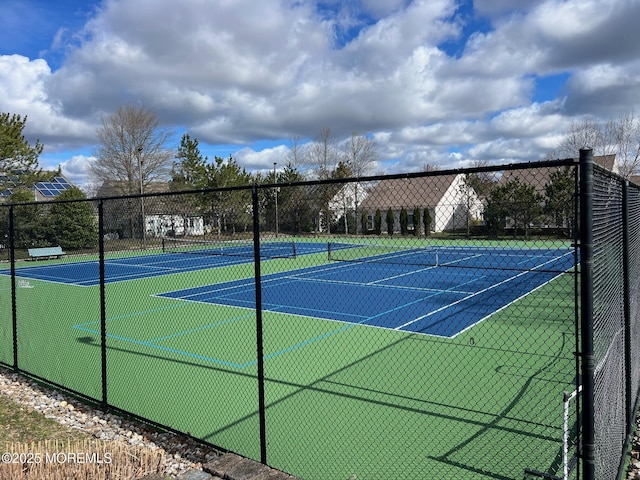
point(135, 154)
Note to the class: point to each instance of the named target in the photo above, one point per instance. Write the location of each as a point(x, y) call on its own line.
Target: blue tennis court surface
point(142, 266)
point(443, 299)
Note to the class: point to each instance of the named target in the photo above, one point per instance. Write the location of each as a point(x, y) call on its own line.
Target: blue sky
point(440, 82)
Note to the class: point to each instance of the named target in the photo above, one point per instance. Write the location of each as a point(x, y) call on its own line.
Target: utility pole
point(144, 223)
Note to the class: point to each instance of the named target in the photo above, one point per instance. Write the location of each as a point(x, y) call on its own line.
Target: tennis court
point(203, 255)
point(422, 355)
point(414, 290)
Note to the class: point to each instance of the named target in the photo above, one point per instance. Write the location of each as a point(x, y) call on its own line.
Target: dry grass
point(78, 460)
point(38, 448)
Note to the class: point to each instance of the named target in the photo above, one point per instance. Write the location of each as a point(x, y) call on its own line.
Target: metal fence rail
point(473, 323)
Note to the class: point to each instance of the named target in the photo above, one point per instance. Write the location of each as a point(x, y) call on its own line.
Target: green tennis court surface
point(344, 398)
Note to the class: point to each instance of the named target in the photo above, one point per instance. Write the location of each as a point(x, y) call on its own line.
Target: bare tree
point(625, 136)
point(430, 167)
point(133, 150)
point(482, 182)
point(359, 155)
point(296, 155)
point(620, 136)
point(581, 134)
point(323, 157)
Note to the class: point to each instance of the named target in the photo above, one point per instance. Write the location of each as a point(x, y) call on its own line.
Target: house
point(163, 215)
point(451, 202)
point(345, 203)
point(607, 161)
point(170, 225)
point(539, 178)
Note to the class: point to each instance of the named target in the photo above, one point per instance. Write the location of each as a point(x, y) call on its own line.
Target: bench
point(45, 253)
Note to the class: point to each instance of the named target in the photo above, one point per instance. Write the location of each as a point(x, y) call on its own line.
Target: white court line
point(473, 295)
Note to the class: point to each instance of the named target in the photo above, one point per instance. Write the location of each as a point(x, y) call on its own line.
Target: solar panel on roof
point(62, 182)
point(50, 189)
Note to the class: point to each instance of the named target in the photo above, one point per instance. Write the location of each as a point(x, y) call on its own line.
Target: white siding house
point(452, 203)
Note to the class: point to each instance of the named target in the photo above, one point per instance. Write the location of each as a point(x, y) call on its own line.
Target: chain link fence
point(613, 369)
point(424, 325)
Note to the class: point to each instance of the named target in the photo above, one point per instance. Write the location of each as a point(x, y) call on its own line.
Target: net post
point(586, 310)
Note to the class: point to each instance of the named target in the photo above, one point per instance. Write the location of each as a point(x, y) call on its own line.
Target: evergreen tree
point(294, 207)
point(404, 221)
point(426, 220)
point(72, 224)
point(190, 170)
point(513, 204)
point(30, 221)
point(390, 221)
point(18, 158)
point(416, 221)
point(560, 199)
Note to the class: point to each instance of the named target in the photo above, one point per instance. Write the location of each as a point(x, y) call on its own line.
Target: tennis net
point(491, 258)
point(235, 248)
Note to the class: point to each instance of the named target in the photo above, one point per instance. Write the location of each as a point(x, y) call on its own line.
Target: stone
point(195, 475)
point(221, 465)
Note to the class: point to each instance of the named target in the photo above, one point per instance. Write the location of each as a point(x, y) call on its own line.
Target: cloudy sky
point(445, 82)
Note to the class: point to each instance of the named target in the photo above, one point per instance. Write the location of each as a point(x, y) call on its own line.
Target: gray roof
point(408, 192)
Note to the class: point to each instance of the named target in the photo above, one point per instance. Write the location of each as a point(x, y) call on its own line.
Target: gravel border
point(182, 453)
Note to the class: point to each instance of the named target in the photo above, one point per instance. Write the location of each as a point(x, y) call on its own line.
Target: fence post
point(260, 349)
point(103, 309)
point(14, 310)
point(586, 301)
point(629, 411)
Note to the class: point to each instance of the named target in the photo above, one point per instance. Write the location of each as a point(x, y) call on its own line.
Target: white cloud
point(241, 72)
point(22, 82)
point(23, 91)
point(262, 160)
point(528, 122)
point(76, 170)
